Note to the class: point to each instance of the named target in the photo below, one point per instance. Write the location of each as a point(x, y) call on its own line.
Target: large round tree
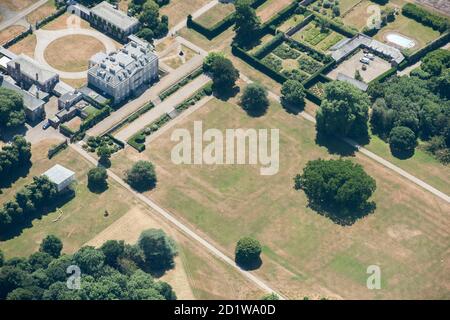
point(159, 249)
point(224, 74)
point(141, 176)
point(247, 254)
point(97, 179)
point(293, 94)
point(339, 188)
point(402, 141)
point(254, 99)
point(343, 111)
point(51, 245)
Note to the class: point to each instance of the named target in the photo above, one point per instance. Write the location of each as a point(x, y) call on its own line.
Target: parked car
point(46, 125)
point(370, 56)
point(365, 60)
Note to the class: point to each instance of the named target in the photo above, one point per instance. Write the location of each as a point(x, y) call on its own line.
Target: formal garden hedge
point(95, 118)
point(171, 90)
point(137, 141)
point(416, 56)
point(220, 26)
point(283, 15)
point(65, 130)
point(425, 17)
point(333, 25)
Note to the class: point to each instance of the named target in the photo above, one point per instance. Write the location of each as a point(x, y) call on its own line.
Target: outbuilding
point(60, 175)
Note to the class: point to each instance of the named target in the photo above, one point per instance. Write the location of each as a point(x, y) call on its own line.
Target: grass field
point(177, 10)
point(305, 254)
point(291, 22)
point(78, 50)
point(17, 5)
point(42, 12)
point(216, 14)
point(197, 274)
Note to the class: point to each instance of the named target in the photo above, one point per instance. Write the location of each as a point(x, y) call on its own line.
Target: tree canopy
point(255, 99)
point(247, 253)
point(224, 74)
point(247, 23)
point(14, 156)
point(44, 277)
point(293, 94)
point(141, 176)
point(12, 110)
point(339, 188)
point(402, 141)
point(343, 111)
point(51, 245)
point(97, 179)
point(159, 249)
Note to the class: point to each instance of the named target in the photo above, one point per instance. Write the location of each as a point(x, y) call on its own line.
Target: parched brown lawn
point(42, 12)
point(16, 5)
point(270, 8)
point(177, 10)
point(25, 46)
point(61, 22)
point(78, 49)
point(75, 83)
point(74, 124)
point(305, 254)
point(83, 222)
point(10, 32)
point(215, 14)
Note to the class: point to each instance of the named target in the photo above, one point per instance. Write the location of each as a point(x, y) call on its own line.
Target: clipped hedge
point(51, 17)
point(419, 54)
point(95, 118)
point(269, 46)
point(257, 64)
point(17, 38)
point(317, 55)
point(425, 17)
point(65, 130)
point(171, 90)
point(57, 148)
point(120, 143)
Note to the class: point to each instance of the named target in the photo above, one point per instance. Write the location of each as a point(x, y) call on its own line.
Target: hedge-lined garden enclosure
point(216, 14)
point(318, 34)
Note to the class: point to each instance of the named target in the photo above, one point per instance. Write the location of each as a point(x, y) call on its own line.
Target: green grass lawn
point(291, 22)
point(410, 28)
point(422, 165)
point(304, 252)
point(216, 14)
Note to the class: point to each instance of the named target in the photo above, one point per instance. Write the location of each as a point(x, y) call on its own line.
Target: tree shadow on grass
point(226, 94)
point(402, 155)
point(98, 189)
point(250, 266)
point(343, 217)
point(18, 172)
point(335, 145)
point(292, 109)
point(15, 230)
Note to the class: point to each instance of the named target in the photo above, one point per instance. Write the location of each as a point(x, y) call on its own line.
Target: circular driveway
point(45, 37)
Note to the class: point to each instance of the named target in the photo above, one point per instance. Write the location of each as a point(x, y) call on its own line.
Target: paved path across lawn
point(180, 225)
point(372, 155)
point(162, 108)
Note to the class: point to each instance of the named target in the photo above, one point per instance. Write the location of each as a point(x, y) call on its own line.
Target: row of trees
point(114, 271)
point(13, 156)
point(12, 111)
point(28, 202)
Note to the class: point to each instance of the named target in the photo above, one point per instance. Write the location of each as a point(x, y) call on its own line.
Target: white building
point(60, 176)
point(121, 73)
